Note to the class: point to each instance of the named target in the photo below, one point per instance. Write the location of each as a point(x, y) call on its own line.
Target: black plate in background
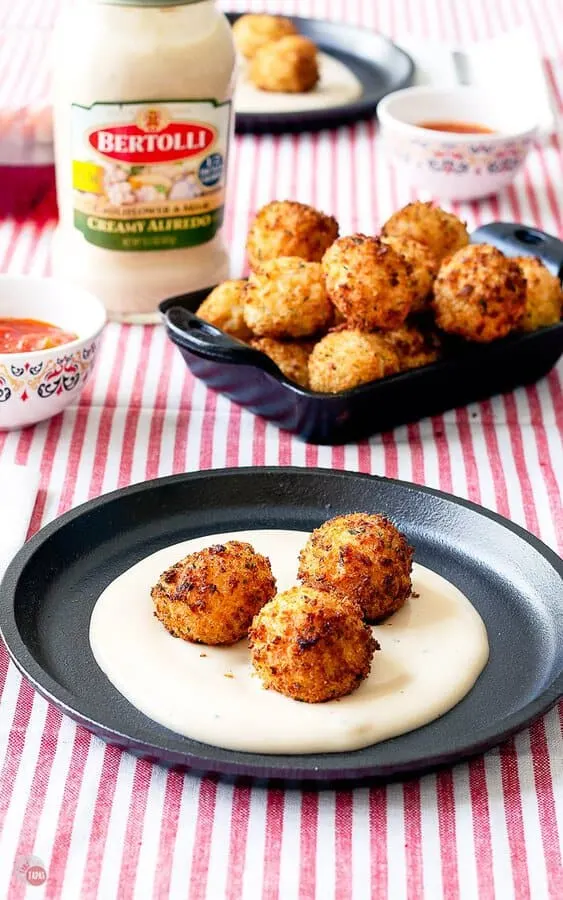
point(514, 581)
point(377, 63)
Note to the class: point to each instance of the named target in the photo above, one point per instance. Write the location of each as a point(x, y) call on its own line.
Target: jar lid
point(153, 3)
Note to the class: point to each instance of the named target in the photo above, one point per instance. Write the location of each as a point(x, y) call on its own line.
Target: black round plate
point(377, 63)
point(515, 582)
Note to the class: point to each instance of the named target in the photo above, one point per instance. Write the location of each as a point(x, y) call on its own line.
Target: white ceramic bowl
point(39, 384)
point(456, 166)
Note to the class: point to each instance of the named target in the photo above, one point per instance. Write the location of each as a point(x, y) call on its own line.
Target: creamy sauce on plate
point(337, 86)
point(432, 652)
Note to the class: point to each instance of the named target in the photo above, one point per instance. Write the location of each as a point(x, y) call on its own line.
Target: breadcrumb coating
point(344, 359)
point(362, 557)
point(253, 31)
point(288, 228)
point(424, 268)
point(211, 596)
point(440, 231)
point(311, 645)
point(544, 300)
point(479, 294)
point(414, 347)
point(224, 308)
point(291, 357)
point(369, 283)
point(286, 298)
point(289, 66)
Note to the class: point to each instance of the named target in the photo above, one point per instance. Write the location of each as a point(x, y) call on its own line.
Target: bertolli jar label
point(149, 176)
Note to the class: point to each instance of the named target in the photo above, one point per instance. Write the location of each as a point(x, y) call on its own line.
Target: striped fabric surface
point(103, 824)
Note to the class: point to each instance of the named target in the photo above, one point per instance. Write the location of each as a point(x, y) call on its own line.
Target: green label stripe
point(159, 233)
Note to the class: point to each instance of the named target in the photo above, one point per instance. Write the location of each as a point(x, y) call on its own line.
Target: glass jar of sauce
point(143, 119)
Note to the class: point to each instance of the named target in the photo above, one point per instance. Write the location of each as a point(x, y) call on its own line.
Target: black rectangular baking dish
point(469, 372)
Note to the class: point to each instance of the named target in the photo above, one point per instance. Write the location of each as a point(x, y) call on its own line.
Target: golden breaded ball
point(363, 557)
point(288, 228)
point(544, 300)
point(287, 66)
point(424, 268)
point(440, 231)
point(292, 357)
point(211, 596)
point(286, 298)
point(224, 309)
point(414, 347)
point(344, 359)
point(368, 282)
point(250, 32)
point(311, 645)
point(479, 294)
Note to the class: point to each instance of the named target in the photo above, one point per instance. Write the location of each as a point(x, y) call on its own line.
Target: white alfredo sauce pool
point(432, 652)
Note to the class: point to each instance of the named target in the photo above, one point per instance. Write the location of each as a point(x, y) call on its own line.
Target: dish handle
point(523, 240)
point(203, 339)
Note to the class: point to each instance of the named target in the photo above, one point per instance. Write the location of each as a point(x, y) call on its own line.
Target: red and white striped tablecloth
point(105, 825)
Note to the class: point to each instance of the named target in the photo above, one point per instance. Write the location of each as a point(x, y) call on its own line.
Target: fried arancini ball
point(250, 32)
point(363, 557)
point(424, 267)
point(440, 231)
point(211, 596)
point(288, 66)
point(479, 294)
point(544, 300)
point(368, 282)
point(311, 645)
point(346, 358)
point(292, 357)
point(288, 228)
point(286, 298)
point(414, 347)
point(224, 309)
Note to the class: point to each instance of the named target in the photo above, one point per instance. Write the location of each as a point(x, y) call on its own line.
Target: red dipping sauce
point(456, 127)
point(24, 335)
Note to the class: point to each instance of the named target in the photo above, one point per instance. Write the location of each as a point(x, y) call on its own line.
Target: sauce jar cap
point(153, 3)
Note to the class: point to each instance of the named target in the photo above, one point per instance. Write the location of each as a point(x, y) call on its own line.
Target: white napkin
point(510, 62)
point(18, 491)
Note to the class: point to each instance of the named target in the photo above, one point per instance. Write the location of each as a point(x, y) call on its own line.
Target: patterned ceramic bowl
point(38, 384)
point(456, 166)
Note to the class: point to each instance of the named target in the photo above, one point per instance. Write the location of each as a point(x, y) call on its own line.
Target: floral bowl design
point(36, 385)
point(455, 166)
